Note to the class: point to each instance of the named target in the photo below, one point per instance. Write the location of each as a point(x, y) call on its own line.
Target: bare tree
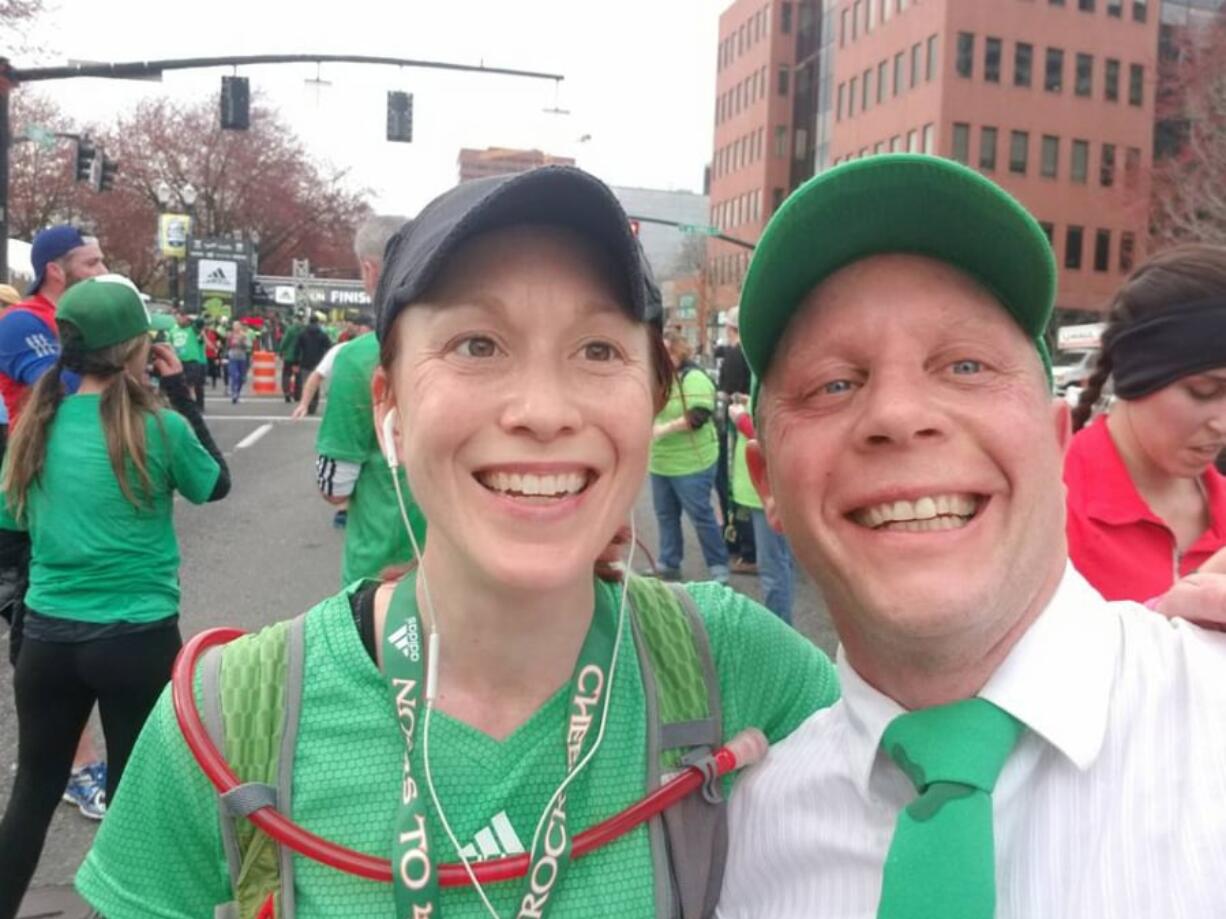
point(1189, 191)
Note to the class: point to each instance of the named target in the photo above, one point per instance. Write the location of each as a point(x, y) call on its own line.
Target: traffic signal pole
point(11, 77)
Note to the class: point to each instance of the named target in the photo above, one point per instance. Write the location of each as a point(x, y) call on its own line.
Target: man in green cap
point(1009, 744)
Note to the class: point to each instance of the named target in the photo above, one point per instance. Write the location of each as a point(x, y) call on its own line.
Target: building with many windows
point(497, 161)
point(1052, 99)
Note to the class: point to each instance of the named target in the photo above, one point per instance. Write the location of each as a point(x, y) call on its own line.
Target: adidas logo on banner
point(494, 841)
point(217, 276)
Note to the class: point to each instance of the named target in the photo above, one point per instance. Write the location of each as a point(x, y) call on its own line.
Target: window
point(1106, 175)
point(1102, 250)
point(929, 139)
point(1056, 2)
point(785, 18)
point(1128, 246)
point(867, 89)
point(1081, 161)
point(987, 149)
point(1023, 59)
point(1019, 151)
point(898, 71)
point(1111, 78)
point(1136, 84)
point(1049, 231)
point(913, 142)
point(915, 65)
point(838, 111)
point(781, 140)
point(896, 144)
point(966, 54)
point(1132, 166)
point(1084, 84)
point(1115, 8)
point(776, 199)
point(931, 74)
point(991, 60)
point(843, 28)
point(852, 88)
point(855, 21)
point(1086, 6)
point(882, 78)
point(1049, 160)
point(962, 143)
point(1072, 248)
point(784, 76)
point(1053, 80)
point(1138, 10)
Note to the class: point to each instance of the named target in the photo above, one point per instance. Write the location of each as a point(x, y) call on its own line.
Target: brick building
point(497, 161)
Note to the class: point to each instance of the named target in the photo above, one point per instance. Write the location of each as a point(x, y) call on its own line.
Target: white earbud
point(389, 439)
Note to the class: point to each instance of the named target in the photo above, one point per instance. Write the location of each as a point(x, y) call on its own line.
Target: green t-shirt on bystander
point(686, 452)
point(159, 851)
point(374, 532)
point(187, 343)
point(95, 557)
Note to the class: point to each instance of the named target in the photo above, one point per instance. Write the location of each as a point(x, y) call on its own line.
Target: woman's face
point(523, 393)
point(1182, 427)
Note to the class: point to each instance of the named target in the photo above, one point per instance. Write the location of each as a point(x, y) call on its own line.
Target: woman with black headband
point(1146, 507)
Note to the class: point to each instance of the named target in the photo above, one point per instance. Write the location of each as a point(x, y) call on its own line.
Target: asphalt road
point(267, 552)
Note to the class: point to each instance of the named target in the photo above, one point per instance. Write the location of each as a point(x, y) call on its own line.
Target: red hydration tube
point(743, 750)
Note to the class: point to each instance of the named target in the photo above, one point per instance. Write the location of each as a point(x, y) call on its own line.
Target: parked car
point(1072, 368)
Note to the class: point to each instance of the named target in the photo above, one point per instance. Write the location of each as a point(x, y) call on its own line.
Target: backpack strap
point(252, 700)
point(684, 723)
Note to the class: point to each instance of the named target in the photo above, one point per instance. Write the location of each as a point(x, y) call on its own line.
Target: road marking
point(253, 437)
point(211, 418)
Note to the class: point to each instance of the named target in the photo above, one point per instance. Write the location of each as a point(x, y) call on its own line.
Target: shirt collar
point(1114, 498)
point(1056, 680)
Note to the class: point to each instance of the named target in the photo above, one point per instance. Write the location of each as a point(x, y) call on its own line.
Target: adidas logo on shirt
point(406, 640)
point(494, 841)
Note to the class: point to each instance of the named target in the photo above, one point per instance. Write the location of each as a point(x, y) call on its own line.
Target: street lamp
point(165, 195)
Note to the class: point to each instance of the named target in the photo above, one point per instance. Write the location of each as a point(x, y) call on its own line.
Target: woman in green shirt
point(91, 478)
point(683, 466)
point(492, 698)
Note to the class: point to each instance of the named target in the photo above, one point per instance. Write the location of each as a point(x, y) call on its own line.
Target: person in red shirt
point(1146, 507)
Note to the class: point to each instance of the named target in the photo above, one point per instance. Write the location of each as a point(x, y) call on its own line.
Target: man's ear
point(755, 460)
point(1062, 418)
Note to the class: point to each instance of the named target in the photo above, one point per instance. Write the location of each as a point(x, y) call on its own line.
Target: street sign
point(44, 137)
point(1080, 337)
point(697, 229)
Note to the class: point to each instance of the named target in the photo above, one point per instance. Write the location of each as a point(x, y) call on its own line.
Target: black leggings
point(56, 686)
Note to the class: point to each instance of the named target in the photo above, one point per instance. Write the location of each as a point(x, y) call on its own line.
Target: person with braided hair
point(1146, 507)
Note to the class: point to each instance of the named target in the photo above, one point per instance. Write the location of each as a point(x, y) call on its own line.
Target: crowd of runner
point(1024, 716)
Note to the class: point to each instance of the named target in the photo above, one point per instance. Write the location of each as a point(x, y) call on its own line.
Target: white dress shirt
point(1113, 805)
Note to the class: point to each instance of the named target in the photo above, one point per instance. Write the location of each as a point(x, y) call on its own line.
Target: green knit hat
point(104, 310)
point(908, 203)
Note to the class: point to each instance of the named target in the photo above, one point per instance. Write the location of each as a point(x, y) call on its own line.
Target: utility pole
point(11, 77)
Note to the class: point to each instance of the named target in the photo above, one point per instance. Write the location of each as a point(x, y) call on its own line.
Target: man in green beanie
point(1008, 744)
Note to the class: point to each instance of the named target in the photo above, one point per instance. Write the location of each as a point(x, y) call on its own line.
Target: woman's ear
point(383, 404)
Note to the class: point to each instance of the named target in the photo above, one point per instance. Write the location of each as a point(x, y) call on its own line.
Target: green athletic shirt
point(159, 851)
point(94, 557)
point(187, 344)
point(374, 532)
point(686, 452)
point(289, 344)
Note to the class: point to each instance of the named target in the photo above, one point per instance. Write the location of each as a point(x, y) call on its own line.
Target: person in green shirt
point(287, 349)
point(521, 364)
point(89, 482)
point(188, 341)
point(684, 456)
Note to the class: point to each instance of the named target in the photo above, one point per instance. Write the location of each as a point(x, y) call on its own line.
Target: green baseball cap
point(104, 310)
point(908, 203)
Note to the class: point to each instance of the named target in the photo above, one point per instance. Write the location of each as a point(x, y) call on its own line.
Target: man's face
point(81, 263)
point(913, 456)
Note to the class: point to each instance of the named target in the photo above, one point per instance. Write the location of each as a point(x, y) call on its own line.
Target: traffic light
point(400, 116)
point(86, 154)
point(235, 104)
point(106, 180)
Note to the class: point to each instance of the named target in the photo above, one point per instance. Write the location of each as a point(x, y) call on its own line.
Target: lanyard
point(414, 877)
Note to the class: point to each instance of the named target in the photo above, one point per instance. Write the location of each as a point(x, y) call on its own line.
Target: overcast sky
point(640, 78)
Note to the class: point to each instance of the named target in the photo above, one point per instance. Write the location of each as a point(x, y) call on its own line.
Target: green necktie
point(942, 862)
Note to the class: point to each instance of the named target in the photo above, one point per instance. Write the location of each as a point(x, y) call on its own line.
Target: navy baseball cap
point(553, 195)
point(50, 244)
